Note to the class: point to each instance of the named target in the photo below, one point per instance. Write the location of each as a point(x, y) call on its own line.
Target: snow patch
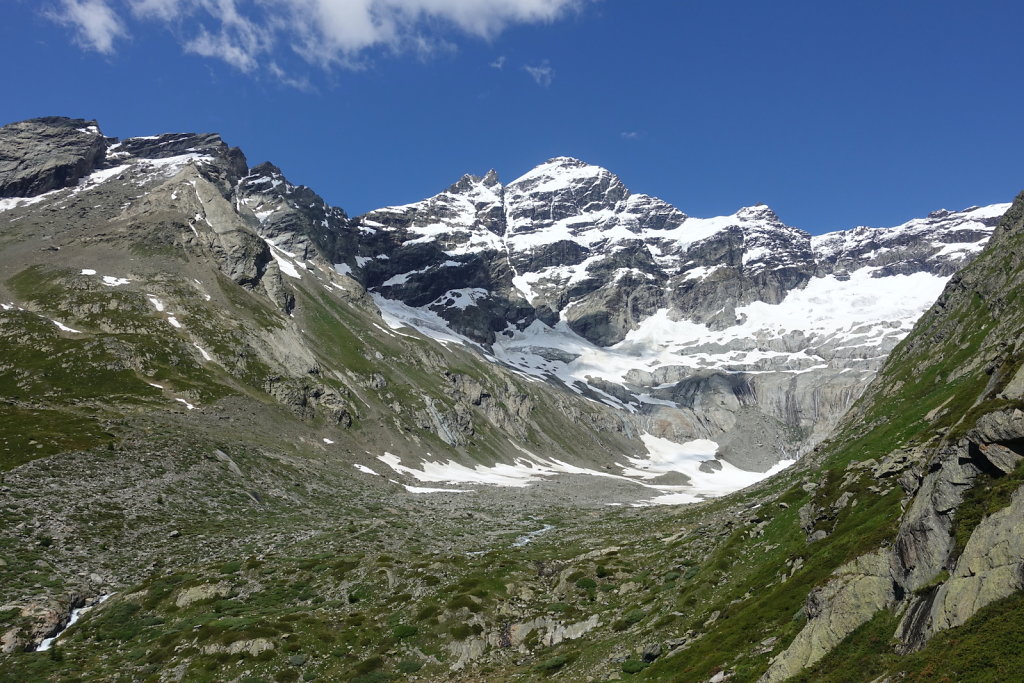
point(206, 356)
point(287, 266)
point(460, 298)
point(665, 456)
point(63, 327)
point(668, 456)
point(454, 473)
point(421, 489)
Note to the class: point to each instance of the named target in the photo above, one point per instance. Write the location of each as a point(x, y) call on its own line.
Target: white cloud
point(96, 25)
point(631, 135)
point(253, 34)
point(282, 76)
point(498, 63)
point(158, 9)
point(543, 74)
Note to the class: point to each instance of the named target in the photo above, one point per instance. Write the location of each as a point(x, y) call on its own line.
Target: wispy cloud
point(631, 134)
point(498, 63)
point(300, 83)
point(95, 24)
point(543, 74)
point(252, 35)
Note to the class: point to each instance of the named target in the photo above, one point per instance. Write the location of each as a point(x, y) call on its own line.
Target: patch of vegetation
point(402, 631)
point(30, 433)
point(633, 666)
point(553, 664)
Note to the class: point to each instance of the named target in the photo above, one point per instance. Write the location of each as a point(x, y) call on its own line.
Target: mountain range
point(427, 441)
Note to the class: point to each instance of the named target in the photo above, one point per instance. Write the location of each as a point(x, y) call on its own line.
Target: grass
point(30, 433)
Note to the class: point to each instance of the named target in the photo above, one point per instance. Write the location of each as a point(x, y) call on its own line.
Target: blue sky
point(835, 114)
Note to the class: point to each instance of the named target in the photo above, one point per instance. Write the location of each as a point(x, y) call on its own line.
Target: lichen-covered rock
point(998, 426)
point(859, 590)
point(252, 647)
point(991, 567)
point(194, 594)
point(924, 541)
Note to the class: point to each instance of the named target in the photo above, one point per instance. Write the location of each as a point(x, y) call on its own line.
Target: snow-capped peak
point(488, 185)
point(758, 212)
point(561, 172)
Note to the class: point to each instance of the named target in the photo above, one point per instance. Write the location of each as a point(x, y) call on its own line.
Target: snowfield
point(664, 456)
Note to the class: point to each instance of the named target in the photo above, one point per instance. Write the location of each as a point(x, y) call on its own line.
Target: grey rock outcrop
point(44, 154)
point(991, 567)
point(859, 590)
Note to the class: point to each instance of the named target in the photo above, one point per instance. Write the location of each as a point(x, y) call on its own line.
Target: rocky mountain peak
point(172, 144)
point(263, 178)
point(758, 212)
point(266, 169)
point(561, 193)
point(472, 184)
point(491, 178)
point(561, 163)
point(566, 172)
point(939, 243)
point(44, 154)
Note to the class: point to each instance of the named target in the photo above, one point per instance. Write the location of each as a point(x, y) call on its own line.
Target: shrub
point(372, 664)
point(553, 664)
point(633, 666)
point(410, 666)
point(463, 631)
point(427, 611)
point(463, 600)
point(231, 567)
point(628, 619)
point(404, 631)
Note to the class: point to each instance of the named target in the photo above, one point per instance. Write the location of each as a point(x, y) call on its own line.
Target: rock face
point(860, 589)
point(989, 568)
point(45, 154)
